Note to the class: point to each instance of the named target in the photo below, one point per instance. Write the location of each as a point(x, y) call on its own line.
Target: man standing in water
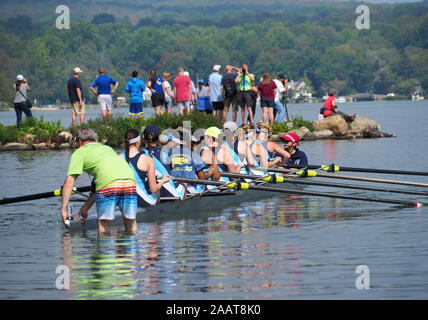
point(104, 82)
point(114, 183)
point(75, 95)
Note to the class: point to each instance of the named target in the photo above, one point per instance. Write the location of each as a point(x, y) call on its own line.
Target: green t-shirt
point(101, 162)
point(245, 82)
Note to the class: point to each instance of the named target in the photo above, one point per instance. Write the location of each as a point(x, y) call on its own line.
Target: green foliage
point(319, 40)
point(295, 124)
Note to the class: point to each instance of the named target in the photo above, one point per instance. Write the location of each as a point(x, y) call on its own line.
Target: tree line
point(392, 56)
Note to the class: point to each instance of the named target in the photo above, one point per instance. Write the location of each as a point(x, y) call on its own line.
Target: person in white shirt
point(169, 96)
point(279, 109)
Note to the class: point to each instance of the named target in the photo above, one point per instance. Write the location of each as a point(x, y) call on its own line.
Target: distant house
point(299, 90)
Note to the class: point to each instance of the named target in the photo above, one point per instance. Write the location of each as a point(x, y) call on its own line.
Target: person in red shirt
point(182, 91)
point(267, 90)
point(330, 107)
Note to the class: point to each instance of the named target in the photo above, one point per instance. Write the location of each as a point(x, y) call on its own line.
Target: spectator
point(135, 87)
point(74, 87)
point(156, 86)
point(203, 97)
point(193, 95)
point(279, 108)
point(229, 92)
point(267, 90)
point(214, 81)
point(20, 101)
point(182, 91)
point(330, 107)
point(167, 91)
point(245, 81)
point(103, 83)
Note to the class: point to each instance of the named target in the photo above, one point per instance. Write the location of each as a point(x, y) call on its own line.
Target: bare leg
point(103, 113)
point(243, 115)
point(73, 117)
point(264, 114)
point(234, 113)
point(103, 227)
point(271, 117)
point(110, 114)
point(130, 226)
point(82, 118)
point(250, 114)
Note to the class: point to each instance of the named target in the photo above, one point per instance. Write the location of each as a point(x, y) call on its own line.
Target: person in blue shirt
point(291, 141)
point(156, 86)
point(135, 88)
point(103, 82)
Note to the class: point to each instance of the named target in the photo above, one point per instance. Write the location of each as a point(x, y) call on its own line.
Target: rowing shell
point(172, 207)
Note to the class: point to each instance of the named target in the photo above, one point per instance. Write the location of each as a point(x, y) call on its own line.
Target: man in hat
point(74, 87)
point(291, 141)
point(216, 98)
point(182, 92)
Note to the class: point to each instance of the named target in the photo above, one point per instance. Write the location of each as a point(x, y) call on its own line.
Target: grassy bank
point(112, 132)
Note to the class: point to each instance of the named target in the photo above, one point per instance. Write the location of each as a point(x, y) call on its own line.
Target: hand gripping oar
point(333, 176)
point(55, 193)
point(242, 186)
point(327, 184)
point(334, 168)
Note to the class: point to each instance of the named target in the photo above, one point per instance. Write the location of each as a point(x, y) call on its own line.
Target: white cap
point(20, 77)
point(217, 67)
point(77, 70)
point(231, 125)
point(186, 73)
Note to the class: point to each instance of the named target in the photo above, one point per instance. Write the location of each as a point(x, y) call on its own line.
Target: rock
point(300, 132)
point(363, 124)
point(40, 146)
point(29, 138)
point(63, 146)
point(322, 134)
point(66, 137)
point(12, 146)
point(334, 123)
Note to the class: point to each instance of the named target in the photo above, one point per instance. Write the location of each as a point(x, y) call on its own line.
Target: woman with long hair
point(20, 101)
point(274, 151)
point(169, 96)
point(267, 90)
point(144, 166)
point(156, 86)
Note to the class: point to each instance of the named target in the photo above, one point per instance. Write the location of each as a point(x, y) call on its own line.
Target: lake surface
point(280, 247)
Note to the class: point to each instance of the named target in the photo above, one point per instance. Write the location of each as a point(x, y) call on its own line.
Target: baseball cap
point(231, 125)
point(20, 77)
point(291, 137)
point(186, 73)
point(212, 132)
point(151, 129)
point(201, 80)
point(217, 67)
point(77, 70)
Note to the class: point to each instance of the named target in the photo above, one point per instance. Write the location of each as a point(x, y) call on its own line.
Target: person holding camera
point(21, 103)
point(245, 81)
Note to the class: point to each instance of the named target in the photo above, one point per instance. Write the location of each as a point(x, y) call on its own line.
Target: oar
point(334, 168)
point(43, 195)
point(327, 184)
point(304, 193)
point(336, 176)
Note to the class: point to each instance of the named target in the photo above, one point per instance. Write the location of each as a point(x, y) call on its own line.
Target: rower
point(144, 170)
point(273, 149)
point(185, 163)
point(260, 150)
point(151, 141)
point(291, 141)
point(242, 145)
point(212, 149)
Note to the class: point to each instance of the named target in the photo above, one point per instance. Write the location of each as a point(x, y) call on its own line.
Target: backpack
point(229, 86)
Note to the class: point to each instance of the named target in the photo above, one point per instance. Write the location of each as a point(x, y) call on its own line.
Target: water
point(281, 247)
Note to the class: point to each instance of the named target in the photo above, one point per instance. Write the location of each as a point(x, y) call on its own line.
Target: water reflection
point(227, 256)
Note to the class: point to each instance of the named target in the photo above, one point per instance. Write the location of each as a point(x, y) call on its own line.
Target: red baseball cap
point(291, 137)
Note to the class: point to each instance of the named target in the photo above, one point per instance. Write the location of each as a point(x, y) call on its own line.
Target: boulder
point(12, 146)
point(334, 123)
point(29, 138)
point(322, 134)
point(65, 137)
point(361, 125)
point(40, 146)
point(63, 146)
